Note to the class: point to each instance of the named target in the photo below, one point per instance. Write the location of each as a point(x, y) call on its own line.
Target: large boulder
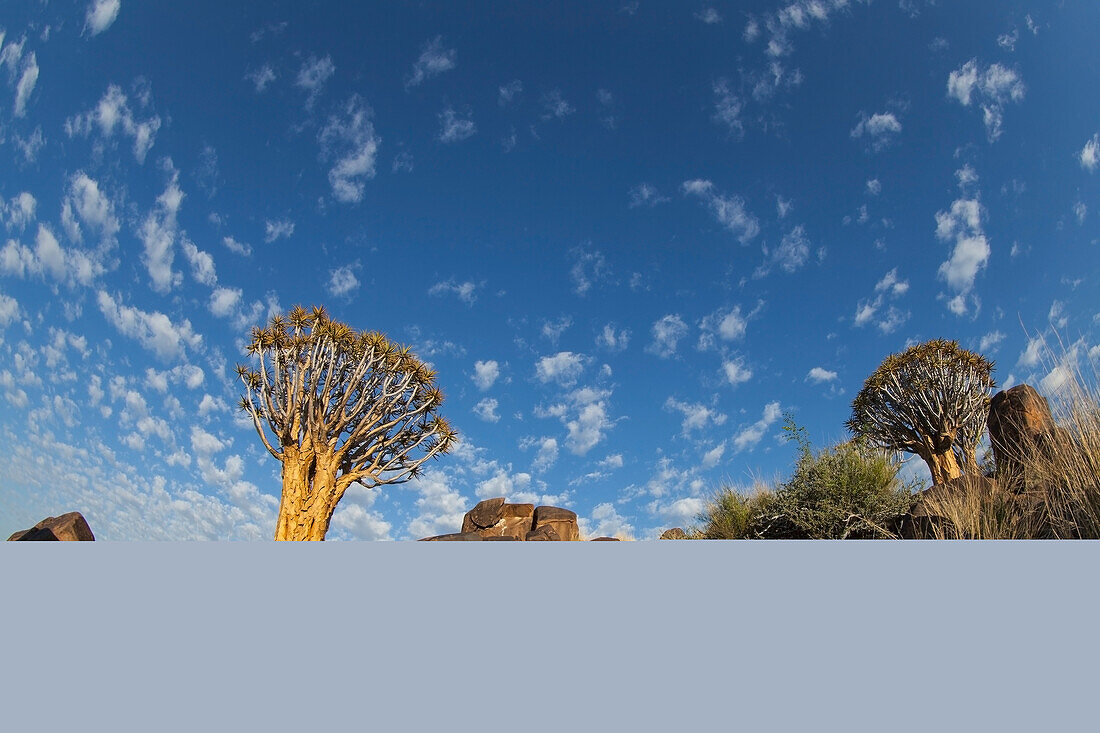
point(454, 537)
point(67, 527)
point(484, 515)
point(676, 533)
point(1019, 424)
point(496, 518)
point(562, 521)
point(545, 533)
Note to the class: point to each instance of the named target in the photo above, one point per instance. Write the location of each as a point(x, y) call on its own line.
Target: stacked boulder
point(496, 519)
point(67, 527)
point(1020, 428)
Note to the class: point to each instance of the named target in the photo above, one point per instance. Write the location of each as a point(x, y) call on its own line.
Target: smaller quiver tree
point(930, 400)
point(336, 407)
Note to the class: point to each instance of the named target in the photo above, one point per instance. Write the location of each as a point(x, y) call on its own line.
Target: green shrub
point(847, 491)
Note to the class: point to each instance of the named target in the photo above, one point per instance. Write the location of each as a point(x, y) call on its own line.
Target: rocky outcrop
point(67, 527)
point(676, 533)
point(495, 519)
point(1019, 424)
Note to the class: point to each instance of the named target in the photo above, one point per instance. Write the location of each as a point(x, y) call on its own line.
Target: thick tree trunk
point(943, 466)
point(308, 501)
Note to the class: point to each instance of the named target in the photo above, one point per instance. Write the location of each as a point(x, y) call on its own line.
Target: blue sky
point(628, 235)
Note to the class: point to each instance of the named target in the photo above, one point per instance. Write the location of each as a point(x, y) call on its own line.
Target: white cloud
point(554, 329)
point(29, 147)
point(605, 521)
point(282, 228)
point(341, 282)
point(729, 325)
point(85, 203)
point(508, 92)
point(591, 423)
point(645, 195)
point(19, 213)
point(1089, 157)
point(697, 416)
point(100, 15)
point(27, 81)
point(727, 108)
point(466, 291)
point(874, 187)
point(158, 235)
point(261, 77)
point(547, 455)
point(667, 332)
point(612, 461)
point(440, 507)
point(312, 77)
point(589, 267)
point(1007, 41)
point(555, 105)
point(563, 368)
point(486, 374)
point(50, 258)
point(240, 248)
point(1080, 211)
point(613, 340)
point(9, 310)
point(113, 112)
point(154, 331)
point(730, 211)
point(793, 250)
point(202, 264)
point(993, 87)
point(990, 341)
point(818, 375)
point(486, 410)
point(971, 252)
point(452, 128)
point(350, 141)
point(354, 518)
point(709, 16)
point(434, 60)
point(736, 372)
point(751, 435)
point(224, 301)
point(880, 129)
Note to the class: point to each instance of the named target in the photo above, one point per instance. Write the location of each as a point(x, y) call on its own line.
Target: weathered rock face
point(495, 519)
point(67, 527)
point(1019, 423)
point(676, 533)
point(562, 521)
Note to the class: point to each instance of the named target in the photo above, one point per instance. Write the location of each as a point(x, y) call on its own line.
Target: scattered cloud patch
point(736, 372)
point(154, 331)
point(486, 374)
point(730, 211)
point(100, 15)
point(880, 129)
point(313, 75)
point(342, 281)
point(261, 78)
point(563, 368)
point(278, 229)
point(710, 16)
point(434, 60)
point(555, 105)
point(667, 333)
point(349, 140)
point(507, 92)
point(646, 195)
point(962, 224)
point(113, 112)
point(589, 267)
point(820, 375)
point(611, 339)
point(486, 410)
point(991, 88)
point(452, 128)
point(750, 436)
point(696, 415)
point(464, 291)
point(727, 108)
point(1089, 157)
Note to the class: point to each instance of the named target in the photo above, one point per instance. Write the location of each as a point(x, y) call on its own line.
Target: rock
point(484, 515)
point(67, 527)
point(929, 515)
point(676, 533)
point(503, 537)
point(562, 521)
point(516, 520)
point(543, 534)
point(1017, 417)
point(455, 537)
point(604, 539)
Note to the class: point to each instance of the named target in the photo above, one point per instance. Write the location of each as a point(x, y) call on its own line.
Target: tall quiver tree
point(931, 400)
point(337, 407)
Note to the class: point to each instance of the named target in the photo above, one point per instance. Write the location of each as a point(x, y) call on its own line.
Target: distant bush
point(847, 491)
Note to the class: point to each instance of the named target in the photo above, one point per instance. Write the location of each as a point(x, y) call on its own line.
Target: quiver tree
point(931, 400)
point(337, 407)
